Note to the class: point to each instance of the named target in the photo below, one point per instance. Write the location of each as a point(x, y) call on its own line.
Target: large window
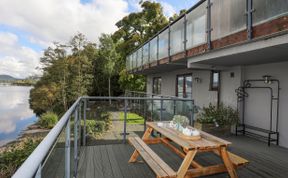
point(215, 80)
point(184, 86)
point(157, 85)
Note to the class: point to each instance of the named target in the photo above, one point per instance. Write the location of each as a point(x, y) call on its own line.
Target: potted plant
point(180, 122)
point(217, 120)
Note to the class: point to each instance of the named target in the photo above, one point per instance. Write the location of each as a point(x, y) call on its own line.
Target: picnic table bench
point(207, 143)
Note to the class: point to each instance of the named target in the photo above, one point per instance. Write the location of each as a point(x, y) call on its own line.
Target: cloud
point(46, 21)
point(54, 20)
point(168, 9)
point(17, 60)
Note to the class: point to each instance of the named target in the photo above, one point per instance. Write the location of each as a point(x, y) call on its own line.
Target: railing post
point(125, 120)
point(84, 129)
point(192, 114)
point(79, 121)
point(174, 106)
point(152, 107)
point(209, 28)
point(67, 150)
point(161, 108)
point(249, 12)
point(185, 35)
point(75, 141)
point(38, 173)
point(169, 43)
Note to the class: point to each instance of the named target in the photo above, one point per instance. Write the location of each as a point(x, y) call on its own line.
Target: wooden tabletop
point(207, 141)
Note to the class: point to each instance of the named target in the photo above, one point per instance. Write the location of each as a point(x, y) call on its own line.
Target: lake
point(15, 114)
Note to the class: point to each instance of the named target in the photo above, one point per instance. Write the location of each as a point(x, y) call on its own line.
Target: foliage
point(94, 126)
point(13, 157)
point(132, 118)
point(48, 120)
point(81, 67)
point(221, 115)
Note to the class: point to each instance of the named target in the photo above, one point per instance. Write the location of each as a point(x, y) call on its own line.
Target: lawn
point(132, 118)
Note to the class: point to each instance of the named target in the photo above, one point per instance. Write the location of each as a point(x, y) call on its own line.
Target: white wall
point(257, 104)
point(258, 101)
point(200, 91)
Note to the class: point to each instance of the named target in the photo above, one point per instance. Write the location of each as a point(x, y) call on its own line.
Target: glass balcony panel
point(227, 17)
point(177, 37)
point(139, 57)
point(146, 53)
point(267, 9)
point(134, 60)
point(163, 44)
point(196, 26)
point(153, 50)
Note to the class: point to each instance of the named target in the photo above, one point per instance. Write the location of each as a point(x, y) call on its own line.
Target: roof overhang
point(263, 50)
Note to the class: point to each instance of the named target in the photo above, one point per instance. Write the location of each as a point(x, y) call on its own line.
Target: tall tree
point(107, 51)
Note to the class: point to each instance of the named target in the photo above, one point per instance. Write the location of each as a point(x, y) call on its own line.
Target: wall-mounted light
point(267, 79)
point(197, 80)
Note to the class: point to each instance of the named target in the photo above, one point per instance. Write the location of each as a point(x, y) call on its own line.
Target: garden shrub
point(15, 155)
point(222, 115)
point(48, 120)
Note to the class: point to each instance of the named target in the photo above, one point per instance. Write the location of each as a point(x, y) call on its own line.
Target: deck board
point(111, 160)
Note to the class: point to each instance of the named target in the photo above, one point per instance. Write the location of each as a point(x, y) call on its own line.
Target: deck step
point(160, 168)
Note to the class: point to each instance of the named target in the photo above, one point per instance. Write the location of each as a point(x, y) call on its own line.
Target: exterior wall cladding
point(257, 103)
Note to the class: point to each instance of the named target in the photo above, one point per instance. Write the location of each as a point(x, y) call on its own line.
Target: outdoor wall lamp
point(197, 80)
point(267, 79)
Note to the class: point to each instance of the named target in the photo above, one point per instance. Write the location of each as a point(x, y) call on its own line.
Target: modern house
point(233, 52)
point(230, 52)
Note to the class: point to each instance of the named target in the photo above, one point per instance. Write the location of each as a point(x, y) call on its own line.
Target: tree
point(107, 52)
point(133, 30)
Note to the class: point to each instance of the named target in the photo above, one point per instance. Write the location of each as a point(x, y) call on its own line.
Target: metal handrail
point(31, 164)
point(32, 167)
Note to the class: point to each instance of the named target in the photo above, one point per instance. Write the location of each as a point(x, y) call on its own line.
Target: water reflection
point(15, 114)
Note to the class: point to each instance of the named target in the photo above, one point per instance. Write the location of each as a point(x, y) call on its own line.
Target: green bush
point(13, 157)
point(221, 115)
point(48, 120)
point(93, 126)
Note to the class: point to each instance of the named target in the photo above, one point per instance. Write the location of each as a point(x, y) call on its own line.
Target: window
point(157, 85)
point(215, 80)
point(184, 86)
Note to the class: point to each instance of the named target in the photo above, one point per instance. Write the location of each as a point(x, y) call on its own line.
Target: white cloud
point(168, 9)
point(54, 20)
point(47, 21)
point(16, 60)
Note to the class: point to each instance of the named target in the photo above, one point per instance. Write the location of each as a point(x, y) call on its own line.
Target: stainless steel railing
point(36, 162)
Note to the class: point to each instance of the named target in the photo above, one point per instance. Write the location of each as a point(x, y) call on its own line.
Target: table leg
point(227, 162)
point(135, 154)
point(186, 163)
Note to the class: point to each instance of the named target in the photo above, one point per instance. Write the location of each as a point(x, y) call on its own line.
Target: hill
point(7, 77)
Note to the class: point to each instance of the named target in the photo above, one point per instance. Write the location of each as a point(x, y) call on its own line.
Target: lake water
point(15, 114)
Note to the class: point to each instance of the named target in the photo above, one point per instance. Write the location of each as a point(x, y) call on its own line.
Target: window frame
point(158, 90)
point(211, 86)
point(184, 84)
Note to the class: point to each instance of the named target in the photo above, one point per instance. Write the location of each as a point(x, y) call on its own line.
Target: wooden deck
point(111, 160)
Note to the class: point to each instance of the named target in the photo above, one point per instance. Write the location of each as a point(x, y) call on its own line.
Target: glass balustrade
point(227, 17)
point(177, 40)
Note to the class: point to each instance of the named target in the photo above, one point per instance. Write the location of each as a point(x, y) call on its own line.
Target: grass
point(132, 118)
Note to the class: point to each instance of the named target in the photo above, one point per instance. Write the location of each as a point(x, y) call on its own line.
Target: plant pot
point(211, 129)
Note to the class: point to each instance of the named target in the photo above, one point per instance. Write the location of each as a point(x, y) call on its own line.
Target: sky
point(28, 27)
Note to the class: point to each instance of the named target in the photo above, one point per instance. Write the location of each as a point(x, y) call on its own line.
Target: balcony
point(68, 151)
point(207, 26)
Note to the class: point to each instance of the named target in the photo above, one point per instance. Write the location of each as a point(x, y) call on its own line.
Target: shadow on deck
point(108, 160)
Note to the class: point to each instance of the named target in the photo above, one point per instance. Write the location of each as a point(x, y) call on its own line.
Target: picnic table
point(187, 150)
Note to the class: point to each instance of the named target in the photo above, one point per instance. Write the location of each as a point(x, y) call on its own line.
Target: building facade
point(223, 51)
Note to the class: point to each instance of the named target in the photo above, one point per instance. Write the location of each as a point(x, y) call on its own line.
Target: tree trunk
point(109, 88)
